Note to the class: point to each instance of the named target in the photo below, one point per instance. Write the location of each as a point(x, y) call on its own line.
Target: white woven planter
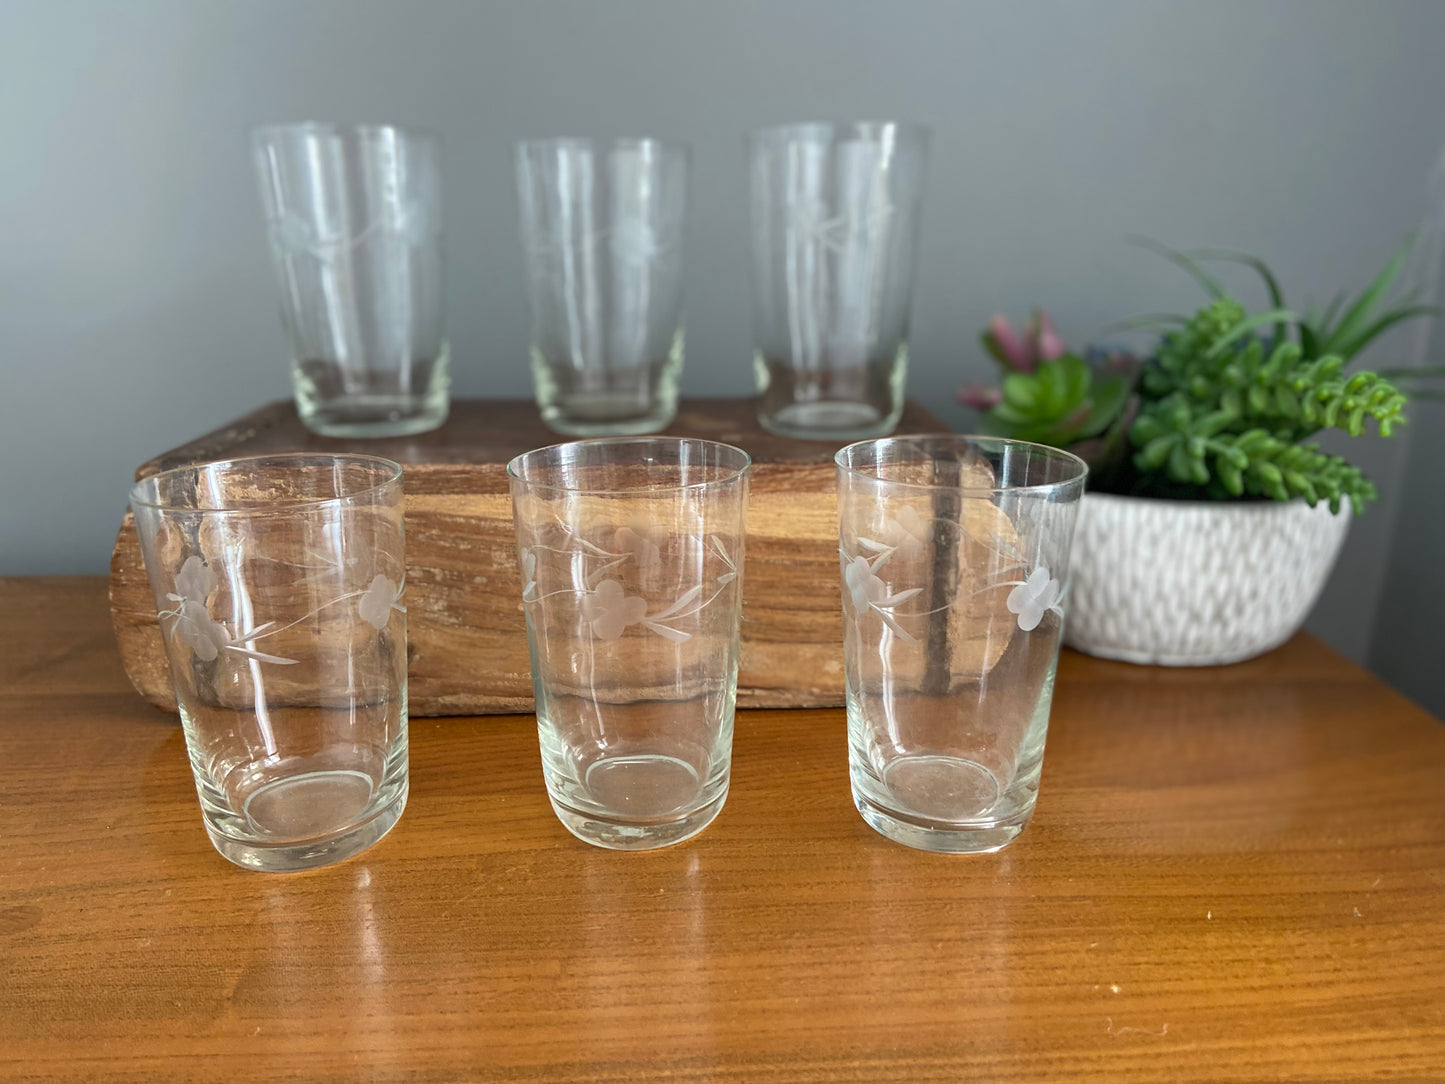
point(1193, 583)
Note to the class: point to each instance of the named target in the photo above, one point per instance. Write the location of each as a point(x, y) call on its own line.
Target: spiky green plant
point(1227, 414)
point(1228, 405)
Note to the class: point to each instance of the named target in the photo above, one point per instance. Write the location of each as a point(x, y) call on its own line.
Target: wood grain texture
point(1234, 875)
point(468, 648)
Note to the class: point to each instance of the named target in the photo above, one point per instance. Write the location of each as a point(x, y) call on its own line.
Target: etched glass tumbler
point(354, 218)
point(835, 210)
point(602, 229)
point(955, 555)
point(278, 581)
point(631, 554)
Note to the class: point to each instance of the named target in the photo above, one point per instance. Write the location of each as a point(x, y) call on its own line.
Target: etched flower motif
point(865, 587)
point(610, 609)
point(194, 625)
point(909, 532)
point(869, 592)
point(732, 568)
point(529, 573)
point(299, 237)
point(811, 223)
point(376, 602)
point(197, 629)
point(1033, 598)
point(641, 540)
point(411, 222)
point(636, 243)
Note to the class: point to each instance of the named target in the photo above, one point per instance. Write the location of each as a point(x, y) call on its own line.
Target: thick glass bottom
point(291, 804)
point(941, 837)
point(601, 417)
point(834, 401)
point(643, 786)
point(831, 421)
point(335, 400)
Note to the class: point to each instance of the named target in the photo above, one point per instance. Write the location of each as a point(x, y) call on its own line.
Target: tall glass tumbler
point(602, 227)
point(278, 581)
point(835, 212)
point(354, 217)
point(631, 554)
point(955, 558)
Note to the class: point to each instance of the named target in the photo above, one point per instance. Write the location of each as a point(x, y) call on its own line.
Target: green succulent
point(1229, 414)
point(1227, 406)
point(1062, 401)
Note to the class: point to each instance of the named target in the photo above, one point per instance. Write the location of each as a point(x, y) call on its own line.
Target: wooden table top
point(1233, 874)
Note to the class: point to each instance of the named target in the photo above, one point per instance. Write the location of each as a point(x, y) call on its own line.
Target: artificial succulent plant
point(1224, 408)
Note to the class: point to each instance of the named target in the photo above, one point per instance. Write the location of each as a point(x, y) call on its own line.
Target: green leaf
point(1244, 327)
point(1355, 344)
point(1276, 298)
point(1309, 339)
point(1009, 414)
point(1107, 403)
point(1329, 313)
point(1204, 278)
point(1230, 475)
point(1155, 453)
point(1077, 376)
point(1022, 391)
point(1181, 466)
point(1358, 314)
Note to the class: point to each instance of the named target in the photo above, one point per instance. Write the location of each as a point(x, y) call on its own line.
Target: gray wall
point(136, 309)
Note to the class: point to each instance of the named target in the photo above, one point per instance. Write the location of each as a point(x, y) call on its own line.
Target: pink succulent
point(1023, 353)
point(980, 396)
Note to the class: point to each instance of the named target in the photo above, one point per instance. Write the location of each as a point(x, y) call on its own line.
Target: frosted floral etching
point(810, 223)
point(635, 243)
point(907, 534)
point(1033, 598)
point(605, 604)
point(297, 235)
point(192, 624)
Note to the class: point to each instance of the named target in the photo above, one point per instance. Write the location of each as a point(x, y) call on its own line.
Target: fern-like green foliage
point(1228, 414)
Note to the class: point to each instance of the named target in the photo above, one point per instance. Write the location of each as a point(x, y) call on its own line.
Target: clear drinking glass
point(955, 556)
point(602, 227)
point(631, 554)
point(278, 581)
point(354, 217)
point(835, 211)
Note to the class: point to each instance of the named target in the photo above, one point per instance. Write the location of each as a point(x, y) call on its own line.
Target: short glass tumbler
point(631, 554)
point(354, 218)
point(955, 556)
point(278, 581)
point(602, 228)
point(835, 212)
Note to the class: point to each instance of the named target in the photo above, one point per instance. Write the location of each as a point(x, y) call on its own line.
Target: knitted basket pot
point(1195, 583)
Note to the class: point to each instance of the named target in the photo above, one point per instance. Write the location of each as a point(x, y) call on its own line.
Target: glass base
point(600, 421)
point(619, 834)
point(830, 421)
point(368, 419)
point(335, 400)
point(941, 837)
point(293, 856)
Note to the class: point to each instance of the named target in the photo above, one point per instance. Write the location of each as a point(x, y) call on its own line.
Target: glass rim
point(392, 467)
point(966, 439)
point(832, 128)
point(732, 476)
point(262, 132)
point(596, 143)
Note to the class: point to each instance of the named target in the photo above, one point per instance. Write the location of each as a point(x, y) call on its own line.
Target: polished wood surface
point(1233, 875)
point(464, 591)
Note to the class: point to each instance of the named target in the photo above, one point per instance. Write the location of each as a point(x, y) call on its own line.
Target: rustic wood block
point(467, 638)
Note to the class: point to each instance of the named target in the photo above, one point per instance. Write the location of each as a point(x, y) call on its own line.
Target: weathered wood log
point(467, 639)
